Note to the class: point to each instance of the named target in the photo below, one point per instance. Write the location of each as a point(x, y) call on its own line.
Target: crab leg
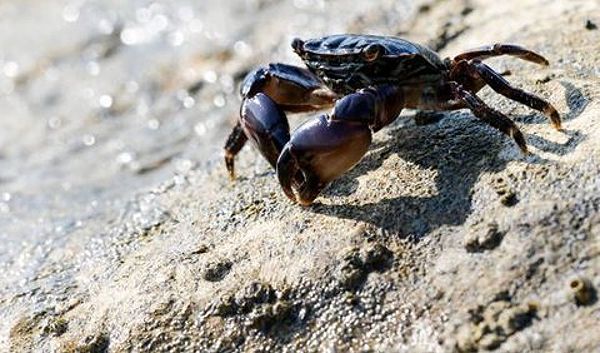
point(266, 94)
point(500, 85)
point(323, 148)
point(489, 115)
point(235, 141)
point(502, 49)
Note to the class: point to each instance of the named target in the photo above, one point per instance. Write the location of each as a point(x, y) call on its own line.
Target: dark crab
point(368, 79)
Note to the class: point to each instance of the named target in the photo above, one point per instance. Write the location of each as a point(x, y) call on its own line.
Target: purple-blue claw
point(320, 151)
point(265, 125)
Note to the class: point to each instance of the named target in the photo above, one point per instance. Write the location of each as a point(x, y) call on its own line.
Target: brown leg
point(489, 115)
point(502, 49)
point(235, 141)
point(500, 85)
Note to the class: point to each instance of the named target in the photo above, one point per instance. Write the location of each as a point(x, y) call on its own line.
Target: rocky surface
point(121, 231)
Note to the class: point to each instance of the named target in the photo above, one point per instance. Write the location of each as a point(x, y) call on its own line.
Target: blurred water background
point(100, 100)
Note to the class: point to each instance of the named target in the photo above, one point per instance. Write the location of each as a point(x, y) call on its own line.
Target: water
point(102, 100)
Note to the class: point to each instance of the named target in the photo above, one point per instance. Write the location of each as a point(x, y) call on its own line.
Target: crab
point(367, 80)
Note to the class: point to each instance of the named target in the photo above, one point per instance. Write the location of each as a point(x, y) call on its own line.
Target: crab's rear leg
point(489, 115)
point(475, 75)
point(235, 141)
point(500, 85)
point(502, 49)
point(267, 93)
point(323, 148)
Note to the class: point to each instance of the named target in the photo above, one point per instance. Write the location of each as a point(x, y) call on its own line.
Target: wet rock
point(216, 270)
point(483, 237)
point(351, 272)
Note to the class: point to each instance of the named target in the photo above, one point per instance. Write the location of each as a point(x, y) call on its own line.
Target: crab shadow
point(459, 149)
point(577, 103)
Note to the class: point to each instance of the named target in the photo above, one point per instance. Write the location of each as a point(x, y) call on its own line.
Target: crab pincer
point(324, 148)
point(320, 151)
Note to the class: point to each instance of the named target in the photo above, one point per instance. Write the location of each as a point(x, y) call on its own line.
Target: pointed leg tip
point(305, 203)
point(552, 113)
point(556, 122)
point(290, 195)
point(517, 135)
point(286, 168)
point(538, 59)
point(523, 147)
point(230, 166)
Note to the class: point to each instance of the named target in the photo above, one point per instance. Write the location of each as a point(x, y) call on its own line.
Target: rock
point(358, 262)
point(351, 272)
point(55, 326)
point(112, 179)
point(508, 196)
point(483, 237)
point(268, 316)
point(254, 294)
point(492, 324)
point(93, 344)
point(376, 257)
point(216, 270)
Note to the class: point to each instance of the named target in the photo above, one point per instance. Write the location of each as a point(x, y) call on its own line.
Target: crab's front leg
point(323, 148)
point(267, 93)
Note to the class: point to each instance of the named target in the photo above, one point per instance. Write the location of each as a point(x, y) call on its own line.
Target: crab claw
point(265, 125)
point(319, 151)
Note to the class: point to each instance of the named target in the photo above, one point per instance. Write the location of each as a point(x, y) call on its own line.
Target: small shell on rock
point(582, 291)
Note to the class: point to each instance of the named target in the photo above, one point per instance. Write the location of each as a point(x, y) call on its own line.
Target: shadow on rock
point(458, 148)
point(559, 149)
point(576, 100)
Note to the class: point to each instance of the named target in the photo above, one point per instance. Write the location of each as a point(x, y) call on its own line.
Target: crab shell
point(347, 63)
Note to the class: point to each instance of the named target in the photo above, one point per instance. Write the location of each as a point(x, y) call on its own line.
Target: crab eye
point(372, 52)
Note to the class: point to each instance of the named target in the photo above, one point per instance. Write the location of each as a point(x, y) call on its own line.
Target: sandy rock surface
point(122, 232)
